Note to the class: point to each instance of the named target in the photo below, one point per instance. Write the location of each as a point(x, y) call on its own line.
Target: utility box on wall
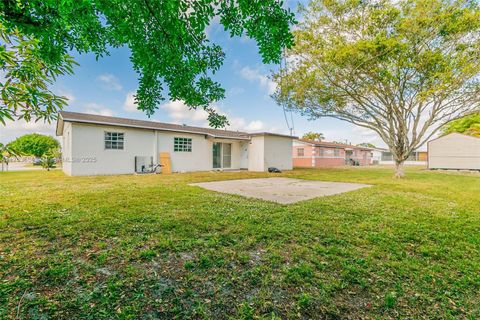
point(143, 164)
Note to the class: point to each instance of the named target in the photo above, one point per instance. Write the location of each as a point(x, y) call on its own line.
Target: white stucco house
point(101, 145)
point(454, 151)
point(383, 156)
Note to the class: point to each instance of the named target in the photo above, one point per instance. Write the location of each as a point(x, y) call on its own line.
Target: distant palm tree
point(6, 152)
point(366, 144)
point(315, 136)
point(474, 130)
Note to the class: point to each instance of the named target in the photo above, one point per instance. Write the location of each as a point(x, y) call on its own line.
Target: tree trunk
point(399, 172)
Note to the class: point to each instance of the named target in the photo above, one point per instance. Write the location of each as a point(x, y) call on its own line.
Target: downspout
point(314, 153)
point(155, 148)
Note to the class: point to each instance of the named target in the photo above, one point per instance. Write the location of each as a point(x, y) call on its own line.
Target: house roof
point(254, 134)
point(461, 135)
point(153, 125)
point(332, 144)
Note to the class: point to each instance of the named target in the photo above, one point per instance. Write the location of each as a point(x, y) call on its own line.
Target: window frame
point(298, 152)
point(111, 140)
point(321, 152)
point(182, 144)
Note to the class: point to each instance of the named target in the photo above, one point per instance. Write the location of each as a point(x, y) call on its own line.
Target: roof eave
point(59, 127)
point(151, 128)
point(231, 138)
point(272, 134)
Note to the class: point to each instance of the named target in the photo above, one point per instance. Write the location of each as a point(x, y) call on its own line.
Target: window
point(413, 156)
point(336, 152)
point(300, 152)
point(387, 156)
point(322, 152)
point(114, 140)
point(182, 144)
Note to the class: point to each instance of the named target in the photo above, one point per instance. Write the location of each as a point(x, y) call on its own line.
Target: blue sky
point(106, 87)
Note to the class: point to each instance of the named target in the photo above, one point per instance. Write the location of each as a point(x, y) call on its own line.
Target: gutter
point(151, 128)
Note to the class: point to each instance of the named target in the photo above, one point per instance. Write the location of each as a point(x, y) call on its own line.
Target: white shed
point(454, 151)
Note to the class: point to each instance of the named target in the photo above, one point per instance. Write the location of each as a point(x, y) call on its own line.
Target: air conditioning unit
point(143, 164)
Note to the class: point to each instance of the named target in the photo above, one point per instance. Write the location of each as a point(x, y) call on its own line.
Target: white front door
point(244, 155)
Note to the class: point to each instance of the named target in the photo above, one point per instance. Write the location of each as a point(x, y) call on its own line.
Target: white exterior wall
point(244, 154)
point(454, 151)
point(270, 151)
point(376, 157)
point(88, 142)
point(201, 157)
point(278, 152)
point(67, 148)
point(256, 154)
point(197, 160)
point(84, 150)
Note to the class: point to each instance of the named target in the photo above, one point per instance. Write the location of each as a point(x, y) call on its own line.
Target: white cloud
point(213, 27)
point(236, 124)
point(98, 109)
point(71, 98)
point(235, 91)
point(129, 104)
point(240, 124)
point(3, 73)
point(366, 135)
point(255, 125)
point(110, 81)
point(254, 75)
point(178, 111)
point(15, 129)
point(243, 125)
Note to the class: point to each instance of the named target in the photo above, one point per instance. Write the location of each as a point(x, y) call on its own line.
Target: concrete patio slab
point(281, 190)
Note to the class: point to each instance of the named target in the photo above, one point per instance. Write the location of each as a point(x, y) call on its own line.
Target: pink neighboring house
point(308, 153)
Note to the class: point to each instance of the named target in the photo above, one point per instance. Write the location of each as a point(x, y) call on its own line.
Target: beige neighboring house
point(454, 151)
point(101, 145)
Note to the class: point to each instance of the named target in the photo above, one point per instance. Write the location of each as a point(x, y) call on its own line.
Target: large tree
point(400, 68)
point(35, 144)
point(170, 49)
point(366, 144)
point(469, 125)
point(6, 153)
point(26, 79)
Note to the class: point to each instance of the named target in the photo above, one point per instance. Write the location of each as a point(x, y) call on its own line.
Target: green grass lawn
point(150, 246)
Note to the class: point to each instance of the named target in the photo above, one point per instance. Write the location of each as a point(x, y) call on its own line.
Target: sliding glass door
point(227, 155)
point(217, 155)
point(222, 155)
